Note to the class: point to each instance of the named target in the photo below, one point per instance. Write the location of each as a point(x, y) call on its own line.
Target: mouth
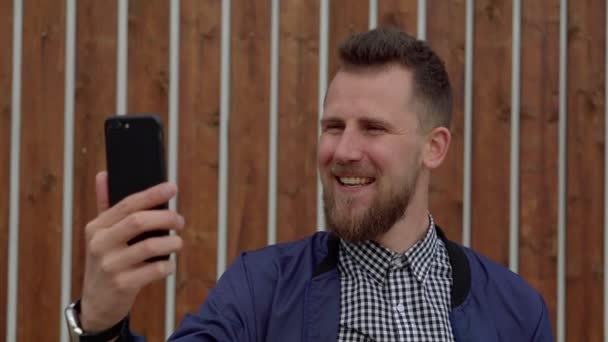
point(354, 181)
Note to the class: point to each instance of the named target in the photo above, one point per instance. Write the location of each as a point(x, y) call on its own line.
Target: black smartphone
point(135, 158)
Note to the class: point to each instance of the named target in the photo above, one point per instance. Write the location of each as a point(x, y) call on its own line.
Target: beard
point(367, 224)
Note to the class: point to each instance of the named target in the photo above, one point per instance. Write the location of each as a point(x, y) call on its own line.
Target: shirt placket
point(397, 300)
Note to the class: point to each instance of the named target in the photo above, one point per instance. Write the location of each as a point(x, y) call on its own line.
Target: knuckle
point(125, 205)
point(106, 265)
point(149, 247)
point(95, 248)
point(136, 222)
point(89, 230)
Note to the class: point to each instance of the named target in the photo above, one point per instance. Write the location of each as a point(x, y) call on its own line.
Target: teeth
point(355, 180)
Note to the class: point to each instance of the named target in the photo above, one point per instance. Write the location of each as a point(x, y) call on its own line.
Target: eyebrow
point(361, 121)
point(329, 120)
point(375, 122)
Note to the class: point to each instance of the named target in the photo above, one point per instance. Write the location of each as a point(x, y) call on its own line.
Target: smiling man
point(383, 272)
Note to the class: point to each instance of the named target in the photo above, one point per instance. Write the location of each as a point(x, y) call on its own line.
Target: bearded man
point(382, 272)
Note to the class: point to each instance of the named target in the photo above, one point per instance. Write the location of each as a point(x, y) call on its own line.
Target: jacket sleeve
point(543, 332)
point(227, 314)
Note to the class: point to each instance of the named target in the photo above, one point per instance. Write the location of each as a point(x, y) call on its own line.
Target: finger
point(141, 222)
point(147, 273)
point(101, 190)
point(144, 200)
point(130, 257)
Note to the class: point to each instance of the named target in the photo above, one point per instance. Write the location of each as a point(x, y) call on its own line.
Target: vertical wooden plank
point(345, 18)
point(445, 34)
point(538, 147)
point(400, 13)
point(95, 100)
point(148, 92)
point(41, 173)
point(297, 154)
point(6, 67)
point(249, 126)
point(585, 190)
point(491, 129)
point(198, 151)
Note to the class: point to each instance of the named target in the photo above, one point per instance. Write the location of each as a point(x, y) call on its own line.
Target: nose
point(348, 148)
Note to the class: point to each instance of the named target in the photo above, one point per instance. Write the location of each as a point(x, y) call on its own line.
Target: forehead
point(383, 92)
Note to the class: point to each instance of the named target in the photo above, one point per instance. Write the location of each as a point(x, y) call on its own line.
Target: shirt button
point(397, 262)
point(400, 307)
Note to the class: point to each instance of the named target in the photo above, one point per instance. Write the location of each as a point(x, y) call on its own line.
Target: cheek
point(393, 160)
point(325, 152)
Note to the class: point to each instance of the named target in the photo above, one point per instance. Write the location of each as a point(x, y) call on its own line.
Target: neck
point(414, 224)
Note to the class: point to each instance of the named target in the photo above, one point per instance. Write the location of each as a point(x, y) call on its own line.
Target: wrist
point(78, 332)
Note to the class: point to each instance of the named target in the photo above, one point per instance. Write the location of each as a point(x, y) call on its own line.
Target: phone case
point(135, 160)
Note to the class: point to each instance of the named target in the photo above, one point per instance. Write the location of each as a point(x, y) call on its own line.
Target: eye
point(375, 129)
point(332, 127)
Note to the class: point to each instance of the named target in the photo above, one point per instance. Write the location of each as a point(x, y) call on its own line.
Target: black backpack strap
point(461, 270)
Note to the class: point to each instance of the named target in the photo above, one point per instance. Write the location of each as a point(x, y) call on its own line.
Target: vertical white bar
point(122, 51)
point(13, 225)
point(222, 229)
point(515, 111)
point(174, 40)
point(606, 186)
point(68, 162)
point(373, 14)
point(323, 67)
point(421, 19)
point(274, 118)
point(561, 205)
point(468, 123)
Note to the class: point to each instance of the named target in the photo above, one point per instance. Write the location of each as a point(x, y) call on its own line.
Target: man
point(383, 272)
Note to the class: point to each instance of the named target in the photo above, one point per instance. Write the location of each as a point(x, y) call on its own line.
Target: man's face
point(369, 151)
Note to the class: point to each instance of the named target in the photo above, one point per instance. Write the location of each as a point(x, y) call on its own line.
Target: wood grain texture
point(491, 129)
point(6, 72)
point(41, 170)
point(297, 153)
point(249, 126)
point(345, 18)
point(148, 91)
point(200, 34)
point(585, 171)
point(95, 100)
point(399, 13)
point(445, 34)
point(539, 114)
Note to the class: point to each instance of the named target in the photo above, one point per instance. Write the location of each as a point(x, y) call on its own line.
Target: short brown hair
point(383, 46)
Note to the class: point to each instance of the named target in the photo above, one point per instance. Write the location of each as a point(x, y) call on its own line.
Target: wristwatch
point(77, 334)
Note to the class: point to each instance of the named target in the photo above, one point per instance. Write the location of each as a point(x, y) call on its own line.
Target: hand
point(114, 271)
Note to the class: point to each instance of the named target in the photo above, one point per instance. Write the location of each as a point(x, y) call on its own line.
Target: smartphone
point(135, 158)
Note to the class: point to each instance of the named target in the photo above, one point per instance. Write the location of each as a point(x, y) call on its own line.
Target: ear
point(436, 147)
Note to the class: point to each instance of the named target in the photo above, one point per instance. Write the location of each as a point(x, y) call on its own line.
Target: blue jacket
point(291, 292)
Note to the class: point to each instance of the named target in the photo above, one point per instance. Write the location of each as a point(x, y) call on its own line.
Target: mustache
point(344, 169)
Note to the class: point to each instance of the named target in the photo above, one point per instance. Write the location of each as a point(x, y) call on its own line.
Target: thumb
point(101, 190)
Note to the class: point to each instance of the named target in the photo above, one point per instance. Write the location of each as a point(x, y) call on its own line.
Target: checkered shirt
point(388, 296)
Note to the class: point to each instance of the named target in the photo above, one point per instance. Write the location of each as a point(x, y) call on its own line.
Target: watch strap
point(120, 329)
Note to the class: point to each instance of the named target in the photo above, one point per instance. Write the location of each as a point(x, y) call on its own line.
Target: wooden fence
point(529, 137)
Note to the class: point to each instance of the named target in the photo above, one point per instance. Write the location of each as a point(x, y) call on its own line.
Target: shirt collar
point(378, 261)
